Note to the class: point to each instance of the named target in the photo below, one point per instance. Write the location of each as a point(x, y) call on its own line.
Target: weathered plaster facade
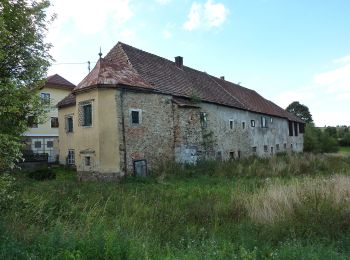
point(142, 113)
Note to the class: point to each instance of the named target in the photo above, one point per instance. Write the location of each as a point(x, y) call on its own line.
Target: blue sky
point(285, 50)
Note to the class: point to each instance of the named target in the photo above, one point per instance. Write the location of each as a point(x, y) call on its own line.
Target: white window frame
point(71, 159)
point(252, 123)
point(140, 115)
point(232, 124)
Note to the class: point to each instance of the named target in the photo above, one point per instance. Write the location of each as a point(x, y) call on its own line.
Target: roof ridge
point(210, 77)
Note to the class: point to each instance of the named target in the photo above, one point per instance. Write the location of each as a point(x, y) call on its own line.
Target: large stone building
point(43, 138)
point(136, 109)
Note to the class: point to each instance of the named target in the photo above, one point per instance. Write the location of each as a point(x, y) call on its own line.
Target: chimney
point(179, 62)
point(222, 77)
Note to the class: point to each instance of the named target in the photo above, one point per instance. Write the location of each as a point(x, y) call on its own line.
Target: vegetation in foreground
point(287, 207)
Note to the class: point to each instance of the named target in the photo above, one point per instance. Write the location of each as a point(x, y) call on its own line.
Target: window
point(271, 120)
point(49, 144)
point(243, 125)
point(54, 122)
point(204, 119)
point(290, 126)
point(71, 157)
point(265, 148)
point(69, 124)
point(87, 161)
point(301, 128)
point(239, 154)
point(45, 97)
point(285, 146)
point(85, 113)
point(231, 124)
point(254, 149)
point(135, 117)
point(232, 155)
point(219, 156)
point(277, 147)
point(32, 122)
point(295, 128)
point(271, 150)
point(252, 123)
point(37, 144)
point(291, 146)
point(263, 122)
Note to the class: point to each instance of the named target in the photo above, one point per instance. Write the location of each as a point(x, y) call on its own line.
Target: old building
point(136, 109)
point(43, 138)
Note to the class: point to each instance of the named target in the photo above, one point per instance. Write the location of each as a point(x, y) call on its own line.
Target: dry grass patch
point(278, 202)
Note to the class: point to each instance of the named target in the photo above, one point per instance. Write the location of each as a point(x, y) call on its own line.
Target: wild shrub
point(42, 174)
point(7, 190)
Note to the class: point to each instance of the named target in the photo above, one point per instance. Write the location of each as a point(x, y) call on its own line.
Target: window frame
point(81, 113)
point(38, 147)
point(263, 122)
point(70, 158)
point(252, 123)
point(54, 122)
point(243, 125)
point(45, 97)
point(231, 124)
point(67, 124)
point(139, 111)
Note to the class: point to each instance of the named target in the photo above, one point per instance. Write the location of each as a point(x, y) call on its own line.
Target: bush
point(7, 190)
point(43, 174)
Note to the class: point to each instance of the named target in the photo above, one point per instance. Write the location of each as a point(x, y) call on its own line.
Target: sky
point(285, 50)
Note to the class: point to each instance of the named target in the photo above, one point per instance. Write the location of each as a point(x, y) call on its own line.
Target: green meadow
point(286, 207)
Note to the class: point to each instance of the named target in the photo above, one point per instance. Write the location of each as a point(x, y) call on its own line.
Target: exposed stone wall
point(153, 138)
point(187, 134)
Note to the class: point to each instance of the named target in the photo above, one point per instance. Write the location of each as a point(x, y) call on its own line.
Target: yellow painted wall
point(56, 95)
point(100, 141)
point(66, 140)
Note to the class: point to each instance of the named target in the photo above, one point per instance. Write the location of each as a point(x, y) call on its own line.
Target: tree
point(24, 60)
point(300, 111)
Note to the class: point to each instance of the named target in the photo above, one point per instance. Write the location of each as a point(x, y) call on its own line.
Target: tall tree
point(300, 111)
point(24, 60)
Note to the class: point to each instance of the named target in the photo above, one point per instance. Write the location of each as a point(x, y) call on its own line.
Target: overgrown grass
point(345, 150)
point(287, 207)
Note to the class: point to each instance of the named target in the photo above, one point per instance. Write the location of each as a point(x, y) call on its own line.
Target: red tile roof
point(57, 80)
point(126, 65)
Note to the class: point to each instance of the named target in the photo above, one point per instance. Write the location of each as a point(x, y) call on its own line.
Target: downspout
point(123, 126)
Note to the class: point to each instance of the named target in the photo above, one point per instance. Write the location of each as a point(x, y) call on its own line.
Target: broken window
point(232, 155)
point(204, 119)
point(252, 123)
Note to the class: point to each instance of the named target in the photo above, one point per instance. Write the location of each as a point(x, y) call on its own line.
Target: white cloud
point(207, 15)
point(194, 17)
point(333, 76)
point(215, 14)
point(344, 59)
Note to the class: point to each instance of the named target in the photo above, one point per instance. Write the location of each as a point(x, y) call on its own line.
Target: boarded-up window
point(140, 168)
point(290, 126)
